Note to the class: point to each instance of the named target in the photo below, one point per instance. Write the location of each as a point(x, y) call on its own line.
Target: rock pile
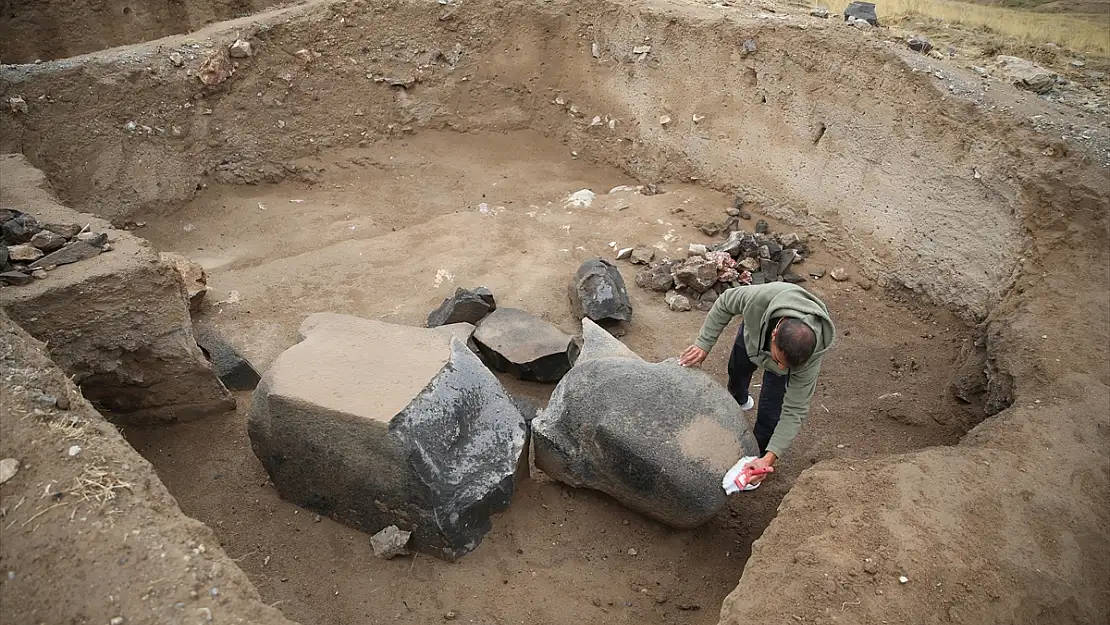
point(742, 258)
point(29, 249)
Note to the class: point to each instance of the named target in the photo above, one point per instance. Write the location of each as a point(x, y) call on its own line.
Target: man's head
point(792, 343)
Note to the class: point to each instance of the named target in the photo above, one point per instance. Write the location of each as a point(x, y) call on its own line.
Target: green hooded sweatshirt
point(757, 305)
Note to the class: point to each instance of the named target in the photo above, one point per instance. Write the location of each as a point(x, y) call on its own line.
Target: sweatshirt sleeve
point(730, 304)
point(795, 408)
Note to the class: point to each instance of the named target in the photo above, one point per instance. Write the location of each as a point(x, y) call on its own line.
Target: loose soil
point(390, 229)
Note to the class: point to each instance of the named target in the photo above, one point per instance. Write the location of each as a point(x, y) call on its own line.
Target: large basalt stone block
point(657, 437)
point(375, 424)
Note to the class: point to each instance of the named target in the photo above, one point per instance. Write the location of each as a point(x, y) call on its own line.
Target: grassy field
point(1089, 33)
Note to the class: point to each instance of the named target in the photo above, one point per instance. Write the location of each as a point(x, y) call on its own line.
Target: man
point(787, 331)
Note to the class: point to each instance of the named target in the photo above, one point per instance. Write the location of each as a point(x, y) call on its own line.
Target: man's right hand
point(692, 357)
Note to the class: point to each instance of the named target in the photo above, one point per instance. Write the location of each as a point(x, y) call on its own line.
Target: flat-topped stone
point(529, 348)
point(376, 424)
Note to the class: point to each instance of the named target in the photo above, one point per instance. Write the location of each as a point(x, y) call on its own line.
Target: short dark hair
point(796, 340)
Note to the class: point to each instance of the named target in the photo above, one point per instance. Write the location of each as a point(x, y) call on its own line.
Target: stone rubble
point(741, 258)
point(28, 247)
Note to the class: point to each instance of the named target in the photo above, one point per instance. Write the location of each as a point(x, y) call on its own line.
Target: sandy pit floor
point(388, 230)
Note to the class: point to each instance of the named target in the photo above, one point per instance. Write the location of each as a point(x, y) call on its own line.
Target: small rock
point(902, 579)
point(176, 59)
point(863, 283)
point(697, 274)
point(697, 249)
point(870, 566)
point(194, 276)
point(855, 21)
point(240, 49)
point(390, 543)
point(8, 468)
point(623, 253)
point(789, 240)
point(710, 229)
point(750, 264)
point(19, 227)
point(117, 620)
point(919, 44)
point(15, 278)
point(38, 274)
point(599, 293)
point(71, 253)
point(642, 255)
point(24, 252)
point(820, 12)
point(745, 214)
point(93, 238)
point(793, 278)
point(707, 299)
point(839, 274)
point(817, 273)
point(677, 302)
point(17, 104)
point(749, 46)
point(657, 277)
point(732, 212)
point(48, 241)
point(762, 227)
point(235, 371)
point(764, 251)
point(641, 50)
point(305, 55)
point(465, 306)
point(632, 552)
point(861, 11)
point(1026, 74)
point(450, 616)
point(73, 450)
point(1077, 64)
point(66, 230)
point(664, 120)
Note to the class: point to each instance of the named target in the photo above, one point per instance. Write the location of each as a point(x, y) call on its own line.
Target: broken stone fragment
point(18, 227)
point(762, 227)
point(839, 274)
point(658, 277)
point(624, 253)
point(696, 274)
point(710, 229)
point(8, 468)
point(696, 249)
point(820, 12)
point(66, 230)
point(919, 44)
point(593, 433)
point(770, 269)
point(390, 543)
point(1025, 74)
point(24, 253)
point(642, 255)
point(240, 49)
point(71, 253)
point(599, 293)
point(465, 306)
point(93, 238)
point(194, 276)
point(48, 241)
point(677, 301)
point(425, 438)
point(15, 278)
point(524, 346)
point(235, 371)
point(732, 245)
point(861, 11)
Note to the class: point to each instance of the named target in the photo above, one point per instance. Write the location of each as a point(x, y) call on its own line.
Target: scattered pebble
point(74, 450)
point(902, 579)
point(118, 620)
point(632, 552)
point(839, 274)
point(8, 468)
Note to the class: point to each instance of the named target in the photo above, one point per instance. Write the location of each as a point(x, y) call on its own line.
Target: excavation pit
point(369, 158)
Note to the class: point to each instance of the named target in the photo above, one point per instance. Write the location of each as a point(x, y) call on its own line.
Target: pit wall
point(822, 127)
point(922, 191)
point(32, 30)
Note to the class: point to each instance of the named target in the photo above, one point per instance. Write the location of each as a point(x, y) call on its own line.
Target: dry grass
point(1082, 33)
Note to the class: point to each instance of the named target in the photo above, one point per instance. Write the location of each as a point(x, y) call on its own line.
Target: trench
point(370, 237)
point(301, 190)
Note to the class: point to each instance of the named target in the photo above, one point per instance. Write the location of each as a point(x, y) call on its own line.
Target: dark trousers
point(740, 372)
